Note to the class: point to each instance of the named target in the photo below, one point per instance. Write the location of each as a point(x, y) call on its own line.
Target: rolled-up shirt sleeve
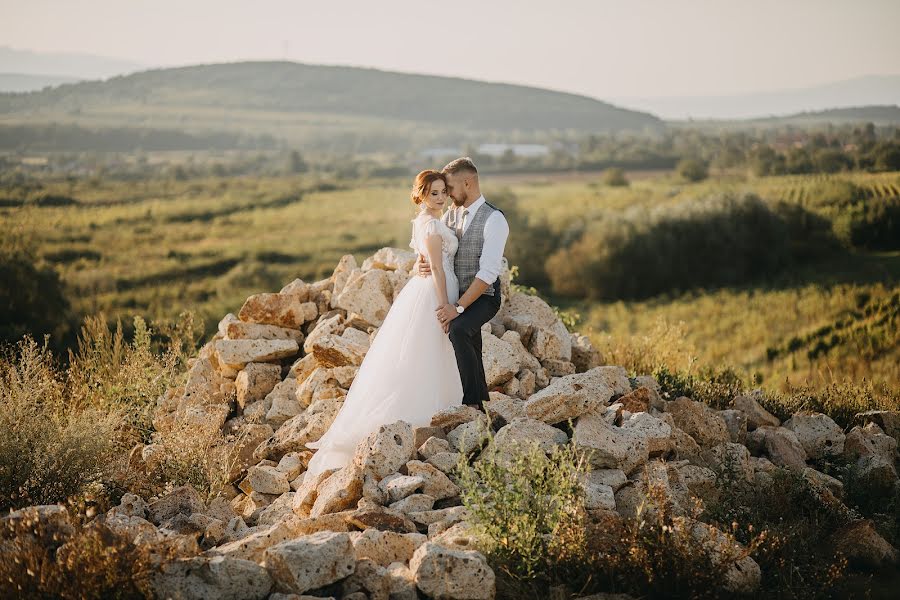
point(496, 230)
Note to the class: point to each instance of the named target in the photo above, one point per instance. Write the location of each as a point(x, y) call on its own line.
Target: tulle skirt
point(409, 374)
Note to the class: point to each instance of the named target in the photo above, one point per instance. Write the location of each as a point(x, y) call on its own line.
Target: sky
point(605, 49)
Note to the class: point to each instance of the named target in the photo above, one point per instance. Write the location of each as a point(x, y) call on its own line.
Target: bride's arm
point(433, 246)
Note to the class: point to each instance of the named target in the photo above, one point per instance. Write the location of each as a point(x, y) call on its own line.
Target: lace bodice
point(425, 225)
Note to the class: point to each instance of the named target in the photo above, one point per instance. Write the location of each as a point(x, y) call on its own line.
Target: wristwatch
point(459, 309)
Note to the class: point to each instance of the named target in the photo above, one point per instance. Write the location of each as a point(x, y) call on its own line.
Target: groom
point(482, 230)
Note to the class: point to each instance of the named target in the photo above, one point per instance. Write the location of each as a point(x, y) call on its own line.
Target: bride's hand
point(446, 313)
point(422, 268)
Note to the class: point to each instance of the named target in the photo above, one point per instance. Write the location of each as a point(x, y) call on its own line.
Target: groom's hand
point(446, 313)
point(422, 268)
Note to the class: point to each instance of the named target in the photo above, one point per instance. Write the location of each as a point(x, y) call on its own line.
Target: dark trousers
point(465, 335)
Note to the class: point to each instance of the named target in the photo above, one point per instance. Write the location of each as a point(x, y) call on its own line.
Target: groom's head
point(462, 180)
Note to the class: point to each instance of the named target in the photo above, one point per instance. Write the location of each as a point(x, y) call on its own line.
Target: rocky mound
point(391, 524)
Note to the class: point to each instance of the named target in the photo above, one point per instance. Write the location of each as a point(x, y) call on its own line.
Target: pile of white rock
point(391, 523)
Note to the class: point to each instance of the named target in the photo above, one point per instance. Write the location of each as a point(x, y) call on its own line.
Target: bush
point(796, 554)
point(109, 373)
point(692, 169)
point(716, 241)
point(615, 177)
point(528, 510)
point(66, 433)
point(872, 225)
point(77, 561)
point(659, 556)
point(32, 296)
point(50, 450)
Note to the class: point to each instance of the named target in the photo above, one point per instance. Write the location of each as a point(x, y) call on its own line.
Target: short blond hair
point(460, 164)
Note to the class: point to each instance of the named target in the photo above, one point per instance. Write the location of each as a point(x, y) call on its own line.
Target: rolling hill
point(304, 104)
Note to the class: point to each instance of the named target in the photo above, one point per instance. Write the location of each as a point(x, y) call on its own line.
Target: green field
point(156, 247)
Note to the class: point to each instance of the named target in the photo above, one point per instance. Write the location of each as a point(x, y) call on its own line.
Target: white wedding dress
point(409, 372)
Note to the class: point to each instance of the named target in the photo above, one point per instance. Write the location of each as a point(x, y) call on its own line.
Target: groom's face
point(456, 187)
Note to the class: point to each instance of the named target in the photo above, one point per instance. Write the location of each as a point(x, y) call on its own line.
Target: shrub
point(659, 555)
point(42, 560)
point(873, 224)
point(50, 450)
point(194, 454)
point(66, 433)
point(692, 169)
point(32, 297)
point(723, 240)
point(796, 556)
point(615, 177)
point(840, 400)
point(109, 373)
point(528, 509)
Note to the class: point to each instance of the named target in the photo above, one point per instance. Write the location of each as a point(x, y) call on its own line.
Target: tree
point(692, 169)
point(615, 177)
point(296, 164)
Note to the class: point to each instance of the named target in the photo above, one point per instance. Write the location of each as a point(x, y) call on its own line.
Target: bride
point(409, 372)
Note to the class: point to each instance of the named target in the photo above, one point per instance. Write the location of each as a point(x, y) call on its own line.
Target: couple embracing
point(426, 356)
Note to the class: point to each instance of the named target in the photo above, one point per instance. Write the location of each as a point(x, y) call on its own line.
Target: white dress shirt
point(496, 230)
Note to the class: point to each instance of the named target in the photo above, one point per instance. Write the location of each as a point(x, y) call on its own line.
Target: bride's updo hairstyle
point(422, 185)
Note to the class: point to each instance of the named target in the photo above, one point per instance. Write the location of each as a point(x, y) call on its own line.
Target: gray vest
point(468, 255)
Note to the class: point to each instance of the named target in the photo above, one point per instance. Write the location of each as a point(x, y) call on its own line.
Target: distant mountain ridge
point(870, 90)
point(73, 65)
point(26, 82)
point(288, 87)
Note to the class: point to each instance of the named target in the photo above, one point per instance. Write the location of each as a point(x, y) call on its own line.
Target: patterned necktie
point(462, 223)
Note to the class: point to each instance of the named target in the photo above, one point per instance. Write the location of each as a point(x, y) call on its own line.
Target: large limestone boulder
point(338, 351)
point(368, 294)
point(341, 275)
point(205, 384)
point(699, 421)
point(282, 402)
point(255, 381)
point(608, 446)
point(657, 431)
point(864, 547)
point(182, 500)
point(540, 329)
point(743, 575)
point(334, 324)
point(386, 547)
point(293, 435)
point(526, 359)
point(584, 356)
point(236, 354)
point(472, 578)
point(265, 479)
point(457, 415)
point(311, 561)
point(779, 444)
point(340, 491)
point(819, 435)
point(757, 416)
point(385, 450)
point(874, 454)
point(390, 259)
point(887, 420)
point(501, 361)
point(282, 310)
point(518, 435)
point(573, 395)
point(236, 329)
point(220, 577)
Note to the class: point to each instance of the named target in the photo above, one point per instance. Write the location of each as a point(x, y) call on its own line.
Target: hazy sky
point(605, 49)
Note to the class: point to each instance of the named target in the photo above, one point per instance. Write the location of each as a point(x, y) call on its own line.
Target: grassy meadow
point(157, 247)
